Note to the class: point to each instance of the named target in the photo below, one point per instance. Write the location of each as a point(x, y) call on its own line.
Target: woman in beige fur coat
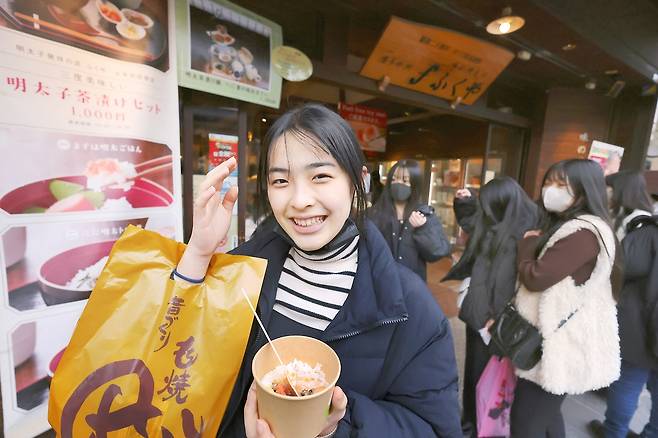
point(566, 273)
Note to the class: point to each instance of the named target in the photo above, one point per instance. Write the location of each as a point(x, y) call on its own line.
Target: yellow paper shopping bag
point(152, 356)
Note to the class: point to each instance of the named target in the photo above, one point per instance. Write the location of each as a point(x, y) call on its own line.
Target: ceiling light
point(264, 120)
point(591, 84)
point(507, 23)
point(568, 47)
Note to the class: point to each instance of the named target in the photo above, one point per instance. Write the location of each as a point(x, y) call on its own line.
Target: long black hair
point(386, 203)
point(504, 212)
point(629, 192)
point(586, 183)
point(318, 127)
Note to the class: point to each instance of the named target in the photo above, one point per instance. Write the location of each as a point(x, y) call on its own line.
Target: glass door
point(446, 177)
point(505, 152)
point(210, 137)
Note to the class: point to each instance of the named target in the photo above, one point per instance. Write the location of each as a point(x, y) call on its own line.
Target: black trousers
point(477, 356)
point(536, 413)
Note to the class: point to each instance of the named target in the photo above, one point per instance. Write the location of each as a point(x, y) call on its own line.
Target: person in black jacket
point(495, 222)
point(411, 229)
point(331, 276)
point(638, 308)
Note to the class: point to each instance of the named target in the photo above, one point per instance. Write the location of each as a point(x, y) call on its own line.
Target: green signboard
point(225, 49)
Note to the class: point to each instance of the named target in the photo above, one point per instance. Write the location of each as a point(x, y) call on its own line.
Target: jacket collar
point(376, 297)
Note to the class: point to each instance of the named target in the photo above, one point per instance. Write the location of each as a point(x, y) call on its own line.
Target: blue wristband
point(189, 280)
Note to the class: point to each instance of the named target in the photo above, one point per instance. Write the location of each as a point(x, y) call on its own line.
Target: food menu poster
point(436, 61)
point(225, 49)
point(90, 146)
point(369, 125)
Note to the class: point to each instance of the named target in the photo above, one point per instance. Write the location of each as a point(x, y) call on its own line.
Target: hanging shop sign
point(369, 125)
point(436, 61)
point(90, 145)
point(227, 50)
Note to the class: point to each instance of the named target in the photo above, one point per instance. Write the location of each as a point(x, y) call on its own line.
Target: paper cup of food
point(313, 368)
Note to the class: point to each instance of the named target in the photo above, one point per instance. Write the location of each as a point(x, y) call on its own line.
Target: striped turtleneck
point(314, 286)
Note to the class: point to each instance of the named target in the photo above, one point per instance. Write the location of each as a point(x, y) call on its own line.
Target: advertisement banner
point(369, 125)
point(436, 61)
point(90, 146)
point(227, 50)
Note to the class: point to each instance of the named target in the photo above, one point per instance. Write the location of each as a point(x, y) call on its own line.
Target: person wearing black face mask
point(412, 230)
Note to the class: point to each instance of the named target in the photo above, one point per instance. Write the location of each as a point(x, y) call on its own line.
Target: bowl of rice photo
point(71, 275)
point(295, 398)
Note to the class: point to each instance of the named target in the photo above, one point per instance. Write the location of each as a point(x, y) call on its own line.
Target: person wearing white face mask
point(569, 277)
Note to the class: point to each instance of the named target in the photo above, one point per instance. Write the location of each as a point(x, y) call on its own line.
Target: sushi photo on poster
point(84, 173)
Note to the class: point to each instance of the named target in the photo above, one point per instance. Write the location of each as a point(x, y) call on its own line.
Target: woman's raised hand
point(212, 218)
point(212, 214)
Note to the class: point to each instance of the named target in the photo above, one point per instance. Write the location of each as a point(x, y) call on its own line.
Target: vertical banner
point(369, 125)
point(90, 144)
point(225, 49)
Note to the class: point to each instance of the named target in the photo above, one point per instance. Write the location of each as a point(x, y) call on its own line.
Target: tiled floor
point(577, 410)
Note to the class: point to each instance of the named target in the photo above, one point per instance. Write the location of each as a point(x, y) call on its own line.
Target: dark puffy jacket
point(394, 344)
point(493, 283)
point(638, 307)
point(413, 247)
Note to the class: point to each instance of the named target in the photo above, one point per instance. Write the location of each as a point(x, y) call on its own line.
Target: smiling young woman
point(331, 276)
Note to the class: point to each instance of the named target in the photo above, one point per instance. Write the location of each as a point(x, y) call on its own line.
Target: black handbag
point(514, 337)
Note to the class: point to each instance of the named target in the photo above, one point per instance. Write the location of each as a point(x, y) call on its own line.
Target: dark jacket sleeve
point(421, 398)
point(430, 240)
point(465, 212)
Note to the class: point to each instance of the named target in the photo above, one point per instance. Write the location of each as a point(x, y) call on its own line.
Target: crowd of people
point(579, 264)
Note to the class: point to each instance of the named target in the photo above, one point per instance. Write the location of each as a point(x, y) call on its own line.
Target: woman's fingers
point(338, 400)
point(251, 414)
point(202, 200)
point(229, 198)
point(212, 205)
point(217, 176)
point(264, 430)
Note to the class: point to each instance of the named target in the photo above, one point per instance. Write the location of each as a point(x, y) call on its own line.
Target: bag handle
point(600, 235)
